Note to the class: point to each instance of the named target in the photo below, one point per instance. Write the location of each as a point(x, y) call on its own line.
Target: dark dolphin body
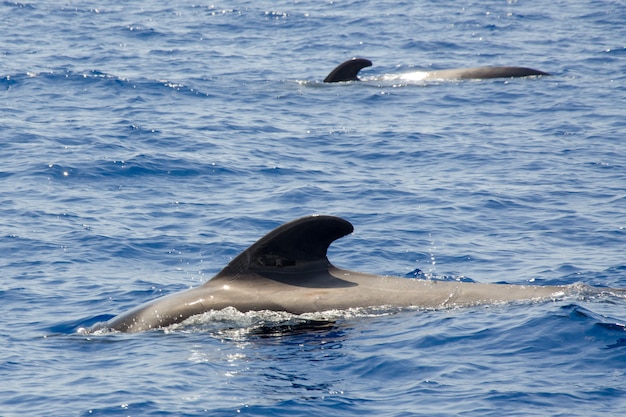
point(287, 270)
point(348, 71)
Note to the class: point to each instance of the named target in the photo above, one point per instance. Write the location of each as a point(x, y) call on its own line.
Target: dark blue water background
point(146, 144)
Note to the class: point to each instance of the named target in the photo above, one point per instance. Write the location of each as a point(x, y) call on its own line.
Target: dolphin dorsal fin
point(304, 240)
point(348, 70)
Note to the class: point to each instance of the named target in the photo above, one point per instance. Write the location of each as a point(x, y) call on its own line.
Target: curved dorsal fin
point(300, 241)
point(348, 70)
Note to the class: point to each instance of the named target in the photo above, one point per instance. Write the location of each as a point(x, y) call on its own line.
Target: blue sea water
point(145, 144)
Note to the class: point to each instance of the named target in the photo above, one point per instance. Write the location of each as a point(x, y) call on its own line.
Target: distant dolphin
point(287, 270)
point(348, 71)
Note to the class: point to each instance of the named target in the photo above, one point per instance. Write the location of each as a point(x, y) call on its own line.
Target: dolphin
point(348, 71)
point(288, 270)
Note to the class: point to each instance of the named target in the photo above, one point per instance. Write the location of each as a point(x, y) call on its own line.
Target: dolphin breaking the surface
point(349, 70)
point(288, 270)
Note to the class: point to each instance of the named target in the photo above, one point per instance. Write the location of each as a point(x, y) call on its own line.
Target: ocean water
point(144, 145)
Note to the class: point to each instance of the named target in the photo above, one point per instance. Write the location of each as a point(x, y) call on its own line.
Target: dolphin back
point(485, 73)
point(349, 70)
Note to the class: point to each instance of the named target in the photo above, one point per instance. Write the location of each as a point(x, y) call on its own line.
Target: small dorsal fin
point(348, 70)
point(304, 240)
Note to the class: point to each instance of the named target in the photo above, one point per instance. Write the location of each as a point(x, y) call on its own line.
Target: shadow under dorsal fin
point(302, 241)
